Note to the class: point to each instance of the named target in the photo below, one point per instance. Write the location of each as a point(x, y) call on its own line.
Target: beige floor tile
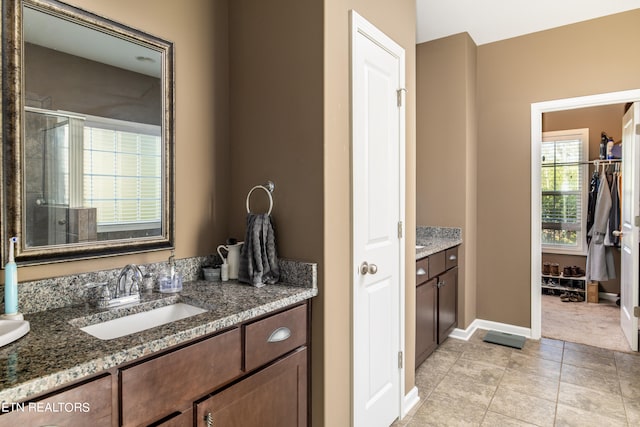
point(493, 419)
point(628, 363)
point(630, 386)
point(553, 342)
point(460, 389)
point(593, 401)
point(522, 407)
point(489, 353)
point(590, 378)
point(568, 416)
point(427, 382)
point(530, 384)
point(453, 344)
point(543, 351)
point(602, 352)
point(445, 412)
point(589, 361)
point(440, 360)
point(534, 365)
point(477, 371)
point(632, 408)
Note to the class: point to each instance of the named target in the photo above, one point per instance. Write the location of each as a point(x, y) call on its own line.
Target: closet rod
point(590, 162)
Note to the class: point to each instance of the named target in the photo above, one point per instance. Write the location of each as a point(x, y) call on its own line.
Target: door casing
point(537, 109)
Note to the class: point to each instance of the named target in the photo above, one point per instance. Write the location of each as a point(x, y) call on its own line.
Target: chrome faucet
point(136, 280)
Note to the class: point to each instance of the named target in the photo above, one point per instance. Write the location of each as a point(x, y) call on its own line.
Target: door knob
point(365, 268)
point(618, 233)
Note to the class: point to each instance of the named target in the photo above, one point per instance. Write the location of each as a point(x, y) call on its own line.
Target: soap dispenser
point(11, 285)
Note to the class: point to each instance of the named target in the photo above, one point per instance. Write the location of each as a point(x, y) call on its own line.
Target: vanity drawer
point(437, 264)
point(451, 256)
point(422, 270)
point(274, 336)
point(170, 383)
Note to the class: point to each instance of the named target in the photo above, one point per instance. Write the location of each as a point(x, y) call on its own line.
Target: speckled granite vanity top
point(57, 352)
point(431, 240)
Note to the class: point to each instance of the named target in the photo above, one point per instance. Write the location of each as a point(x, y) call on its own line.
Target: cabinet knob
point(365, 268)
point(208, 419)
point(441, 284)
point(421, 272)
point(452, 257)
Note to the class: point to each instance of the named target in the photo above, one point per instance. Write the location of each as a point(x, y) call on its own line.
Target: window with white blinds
point(564, 191)
point(123, 173)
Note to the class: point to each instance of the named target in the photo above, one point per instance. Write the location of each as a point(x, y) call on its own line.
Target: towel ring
point(267, 190)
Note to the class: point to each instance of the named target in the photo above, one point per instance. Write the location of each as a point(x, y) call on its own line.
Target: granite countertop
point(431, 240)
point(56, 352)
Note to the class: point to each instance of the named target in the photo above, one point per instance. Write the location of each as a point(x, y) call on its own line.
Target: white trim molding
point(465, 334)
point(411, 399)
point(537, 109)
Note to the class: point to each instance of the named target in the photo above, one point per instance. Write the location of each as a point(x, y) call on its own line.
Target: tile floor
point(547, 383)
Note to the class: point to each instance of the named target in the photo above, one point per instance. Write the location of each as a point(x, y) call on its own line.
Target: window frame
point(583, 136)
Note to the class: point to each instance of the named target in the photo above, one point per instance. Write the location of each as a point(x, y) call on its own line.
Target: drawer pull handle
point(279, 334)
point(421, 272)
point(208, 419)
point(441, 284)
point(452, 257)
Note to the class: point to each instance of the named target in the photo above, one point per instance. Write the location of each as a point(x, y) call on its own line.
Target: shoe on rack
point(579, 272)
point(565, 297)
point(566, 272)
point(555, 269)
point(546, 268)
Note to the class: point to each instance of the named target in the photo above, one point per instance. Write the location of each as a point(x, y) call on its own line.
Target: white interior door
point(378, 254)
point(629, 287)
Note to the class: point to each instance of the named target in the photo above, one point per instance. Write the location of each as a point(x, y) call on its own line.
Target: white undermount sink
point(137, 322)
point(11, 330)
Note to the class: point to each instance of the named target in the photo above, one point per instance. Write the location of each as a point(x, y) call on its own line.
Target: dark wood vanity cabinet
point(436, 301)
point(252, 375)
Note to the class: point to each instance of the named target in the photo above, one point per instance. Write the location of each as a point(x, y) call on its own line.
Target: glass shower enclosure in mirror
point(88, 159)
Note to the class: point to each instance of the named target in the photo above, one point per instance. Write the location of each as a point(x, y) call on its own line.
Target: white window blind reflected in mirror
point(123, 174)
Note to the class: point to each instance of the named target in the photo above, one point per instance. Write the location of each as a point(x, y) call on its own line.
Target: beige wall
point(397, 20)
point(446, 151)
point(199, 33)
point(580, 59)
point(606, 118)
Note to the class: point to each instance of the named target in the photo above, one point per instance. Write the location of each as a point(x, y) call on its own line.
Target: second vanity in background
point(436, 287)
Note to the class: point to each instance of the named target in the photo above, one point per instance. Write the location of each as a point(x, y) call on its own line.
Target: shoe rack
point(556, 285)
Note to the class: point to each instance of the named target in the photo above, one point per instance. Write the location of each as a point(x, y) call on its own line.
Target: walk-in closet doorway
point(569, 318)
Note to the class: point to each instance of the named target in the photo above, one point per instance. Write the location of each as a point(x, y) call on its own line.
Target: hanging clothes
point(600, 265)
point(614, 214)
point(593, 197)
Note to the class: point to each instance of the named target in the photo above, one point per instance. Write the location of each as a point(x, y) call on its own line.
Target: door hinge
point(400, 359)
point(636, 311)
point(638, 129)
point(400, 230)
point(399, 95)
point(636, 221)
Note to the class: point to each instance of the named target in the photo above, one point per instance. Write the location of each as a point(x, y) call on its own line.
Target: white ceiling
point(487, 21)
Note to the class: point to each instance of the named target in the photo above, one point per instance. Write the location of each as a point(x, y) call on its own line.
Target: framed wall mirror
point(88, 140)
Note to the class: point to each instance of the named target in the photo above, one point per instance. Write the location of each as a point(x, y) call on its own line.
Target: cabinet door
point(426, 320)
point(273, 397)
point(88, 404)
point(447, 303)
point(170, 383)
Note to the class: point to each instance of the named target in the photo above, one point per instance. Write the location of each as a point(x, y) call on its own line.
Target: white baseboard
point(411, 399)
point(465, 334)
point(608, 296)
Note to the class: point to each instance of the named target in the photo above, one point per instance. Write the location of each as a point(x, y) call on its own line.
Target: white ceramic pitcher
point(232, 258)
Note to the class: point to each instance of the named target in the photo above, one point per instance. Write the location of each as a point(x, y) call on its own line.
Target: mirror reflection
point(89, 131)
